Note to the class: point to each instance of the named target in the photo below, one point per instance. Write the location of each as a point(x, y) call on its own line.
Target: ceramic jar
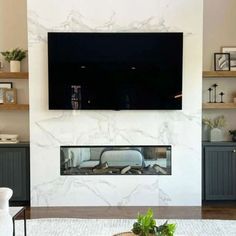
point(216, 135)
point(15, 66)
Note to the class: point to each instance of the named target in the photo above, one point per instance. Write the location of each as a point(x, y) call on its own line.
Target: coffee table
point(15, 212)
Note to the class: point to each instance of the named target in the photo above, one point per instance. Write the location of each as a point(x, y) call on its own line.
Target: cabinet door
point(14, 171)
point(220, 173)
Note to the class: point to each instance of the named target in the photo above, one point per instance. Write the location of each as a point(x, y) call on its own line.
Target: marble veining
point(76, 22)
point(65, 188)
point(109, 127)
point(145, 190)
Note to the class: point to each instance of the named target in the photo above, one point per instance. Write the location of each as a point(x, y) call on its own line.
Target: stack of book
point(9, 138)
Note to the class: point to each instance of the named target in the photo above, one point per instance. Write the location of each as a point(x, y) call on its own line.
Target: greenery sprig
point(232, 132)
point(146, 226)
point(16, 54)
point(218, 122)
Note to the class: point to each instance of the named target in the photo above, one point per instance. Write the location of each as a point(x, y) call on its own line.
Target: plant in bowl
point(233, 133)
point(14, 57)
point(146, 226)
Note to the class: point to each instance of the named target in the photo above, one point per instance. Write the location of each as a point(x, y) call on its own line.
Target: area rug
point(109, 227)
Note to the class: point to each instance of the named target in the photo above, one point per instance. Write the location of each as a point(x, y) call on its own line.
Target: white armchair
point(6, 225)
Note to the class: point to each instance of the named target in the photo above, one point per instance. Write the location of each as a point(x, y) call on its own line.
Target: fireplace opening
point(115, 160)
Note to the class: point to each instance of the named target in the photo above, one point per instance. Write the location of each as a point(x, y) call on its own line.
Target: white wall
point(218, 28)
point(50, 129)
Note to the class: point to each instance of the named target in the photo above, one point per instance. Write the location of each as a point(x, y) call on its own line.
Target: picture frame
point(4, 85)
point(232, 51)
point(222, 61)
point(9, 96)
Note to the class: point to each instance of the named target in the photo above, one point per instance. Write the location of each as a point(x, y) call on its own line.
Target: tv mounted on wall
point(115, 71)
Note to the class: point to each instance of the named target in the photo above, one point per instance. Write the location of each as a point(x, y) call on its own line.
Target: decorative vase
point(6, 226)
point(15, 66)
point(216, 135)
point(5, 195)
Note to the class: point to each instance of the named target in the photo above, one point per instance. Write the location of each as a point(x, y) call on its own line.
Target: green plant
point(16, 54)
point(218, 122)
point(146, 226)
point(232, 132)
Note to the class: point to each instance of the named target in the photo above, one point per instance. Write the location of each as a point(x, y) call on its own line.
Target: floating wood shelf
point(14, 106)
point(14, 75)
point(219, 74)
point(219, 106)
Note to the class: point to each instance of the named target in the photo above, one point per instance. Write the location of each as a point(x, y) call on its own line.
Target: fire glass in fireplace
point(115, 160)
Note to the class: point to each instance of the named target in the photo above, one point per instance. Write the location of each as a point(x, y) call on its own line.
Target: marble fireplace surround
point(51, 129)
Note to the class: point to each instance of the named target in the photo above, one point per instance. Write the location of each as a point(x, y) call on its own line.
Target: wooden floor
point(211, 210)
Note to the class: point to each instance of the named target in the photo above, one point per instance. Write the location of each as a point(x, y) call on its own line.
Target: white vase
point(6, 227)
point(216, 135)
point(5, 195)
point(15, 66)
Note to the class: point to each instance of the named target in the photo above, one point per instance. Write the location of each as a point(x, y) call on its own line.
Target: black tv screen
point(115, 71)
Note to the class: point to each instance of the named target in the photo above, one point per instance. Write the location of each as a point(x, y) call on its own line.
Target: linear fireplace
point(115, 160)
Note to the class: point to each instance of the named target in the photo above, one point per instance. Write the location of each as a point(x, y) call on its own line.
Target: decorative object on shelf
point(233, 133)
point(221, 97)
point(15, 66)
point(216, 135)
point(221, 61)
point(146, 226)
point(215, 86)
point(4, 85)
point(215, 96)
point(9, 138)
point(215, 125)
point(14, 57)
point(232, 51)
point(9, 96)
point(210, 92)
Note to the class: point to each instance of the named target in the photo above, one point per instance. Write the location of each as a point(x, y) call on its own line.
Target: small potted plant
point(215, 126)
point(146, 226)
point(14, 57)
point(233, 133)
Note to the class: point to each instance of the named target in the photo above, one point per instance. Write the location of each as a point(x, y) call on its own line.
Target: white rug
point(108, 227)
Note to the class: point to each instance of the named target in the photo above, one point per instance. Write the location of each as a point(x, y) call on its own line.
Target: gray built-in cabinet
point(219, 171)
point(15, 171)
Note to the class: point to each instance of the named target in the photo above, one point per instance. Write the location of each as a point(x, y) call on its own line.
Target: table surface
point(14, 210)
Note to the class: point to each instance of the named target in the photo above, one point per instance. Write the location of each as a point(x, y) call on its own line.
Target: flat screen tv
point(115, 71)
